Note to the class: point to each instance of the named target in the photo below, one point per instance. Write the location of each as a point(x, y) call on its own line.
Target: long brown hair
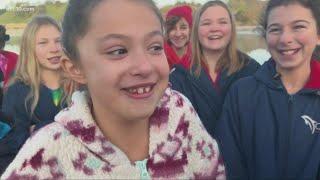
point(230, 58)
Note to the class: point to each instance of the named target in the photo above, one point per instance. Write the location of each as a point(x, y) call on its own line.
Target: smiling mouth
point(214, 37)
point(55, 59)
point(289, 52)
point(140, 90)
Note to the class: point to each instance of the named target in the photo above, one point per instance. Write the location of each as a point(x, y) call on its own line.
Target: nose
point(55, 47)
point(286, 37)
point(178, 32)
point(141, 64)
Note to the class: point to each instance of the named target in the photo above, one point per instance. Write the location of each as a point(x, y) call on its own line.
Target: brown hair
point(73, 29)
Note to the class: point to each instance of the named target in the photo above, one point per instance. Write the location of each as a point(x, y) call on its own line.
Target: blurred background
point(15, 14)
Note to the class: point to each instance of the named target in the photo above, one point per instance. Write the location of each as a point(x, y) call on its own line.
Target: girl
point(32, 100)
point(269, 128)
point(125, 123)
point(8, 60)
point(216, 62)
point(178, 29)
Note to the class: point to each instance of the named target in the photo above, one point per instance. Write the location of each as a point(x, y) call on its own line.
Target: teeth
point(214, 37)
point(289, 52)
point(140, 90)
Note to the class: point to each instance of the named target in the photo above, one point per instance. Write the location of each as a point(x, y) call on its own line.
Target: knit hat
point(181, 11)
point(3, 36)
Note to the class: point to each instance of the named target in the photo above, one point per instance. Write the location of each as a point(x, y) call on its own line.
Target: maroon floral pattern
point(76, 148)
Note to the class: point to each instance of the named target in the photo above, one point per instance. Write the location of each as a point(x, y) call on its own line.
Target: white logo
point(311, 123)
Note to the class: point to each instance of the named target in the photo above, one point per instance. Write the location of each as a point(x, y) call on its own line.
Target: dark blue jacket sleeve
point(228, 135)
point(14, 109)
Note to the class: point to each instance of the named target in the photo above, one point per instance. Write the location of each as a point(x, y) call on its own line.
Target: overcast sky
point(160, 3)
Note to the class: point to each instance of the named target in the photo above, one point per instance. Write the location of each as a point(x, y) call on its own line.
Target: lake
point(248, 41)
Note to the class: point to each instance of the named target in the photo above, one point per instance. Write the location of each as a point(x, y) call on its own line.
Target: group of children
point(123, 94)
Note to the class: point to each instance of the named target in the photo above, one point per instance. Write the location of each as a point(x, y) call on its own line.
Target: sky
point(160, 3)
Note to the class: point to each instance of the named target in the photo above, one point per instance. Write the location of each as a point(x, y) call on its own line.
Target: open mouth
point(55, 59)
point(214, 37)
point(140, 91)
point(289, 52)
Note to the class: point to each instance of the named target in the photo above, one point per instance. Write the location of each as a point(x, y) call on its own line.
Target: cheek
point(40, 52)
point(161, 65)
point(271, 41)
point(171, 34)
point(202, 33)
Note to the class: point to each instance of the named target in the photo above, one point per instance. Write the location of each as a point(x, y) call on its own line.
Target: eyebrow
point(124, 37)
point(294, 22)
point(208, 19)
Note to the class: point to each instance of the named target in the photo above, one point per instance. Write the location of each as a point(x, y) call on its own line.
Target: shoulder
point(250, 65)
point(17, 89)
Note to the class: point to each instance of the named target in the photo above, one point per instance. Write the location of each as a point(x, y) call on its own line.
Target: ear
point(73, 70)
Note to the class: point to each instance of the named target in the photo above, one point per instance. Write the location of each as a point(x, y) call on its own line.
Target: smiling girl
point(269, 127)
point(33, 98)
point(178, 31)
point(125, 123)
point(216, 62)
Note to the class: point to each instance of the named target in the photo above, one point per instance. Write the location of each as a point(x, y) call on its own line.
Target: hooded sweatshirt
point(73, 147)
point(266, 133)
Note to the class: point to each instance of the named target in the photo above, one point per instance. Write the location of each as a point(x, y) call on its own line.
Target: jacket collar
point(268, 75)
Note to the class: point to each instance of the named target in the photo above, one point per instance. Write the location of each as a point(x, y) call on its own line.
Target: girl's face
point(122, 60)
point(179, 36)
point(291, 36)
point(48, 48)
point(215, 29)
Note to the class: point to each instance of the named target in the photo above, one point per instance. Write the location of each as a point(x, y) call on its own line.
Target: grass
point(56, 11)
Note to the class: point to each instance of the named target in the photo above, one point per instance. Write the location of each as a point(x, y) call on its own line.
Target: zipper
point(142, 166)
point(288, 141)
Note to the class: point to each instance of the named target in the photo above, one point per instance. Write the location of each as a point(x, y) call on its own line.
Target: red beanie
point(181, 11)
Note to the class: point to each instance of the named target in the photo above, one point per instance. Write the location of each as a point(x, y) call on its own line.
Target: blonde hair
point(28, 68)
point(230, 58)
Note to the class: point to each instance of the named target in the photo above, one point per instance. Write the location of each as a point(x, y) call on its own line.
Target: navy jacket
point(265, 133)
point(205, 98)
point(14, 108)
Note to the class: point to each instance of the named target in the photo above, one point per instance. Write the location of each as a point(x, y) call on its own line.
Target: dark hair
point(75, 25)
point(3, 36)
point(170, 24)
point(313, 5)
point(76, 22)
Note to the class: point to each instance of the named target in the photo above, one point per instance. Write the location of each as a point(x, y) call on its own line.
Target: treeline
point(247, 12)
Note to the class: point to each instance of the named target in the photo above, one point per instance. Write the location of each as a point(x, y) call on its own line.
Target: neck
point(212, 58)
point(132, 137)
point(180, 51)
point(51, 79)
point(294, 80)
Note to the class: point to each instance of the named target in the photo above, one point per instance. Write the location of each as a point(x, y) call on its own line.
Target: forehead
point(215, 12)
point(182, 21)
point(113, 15)
point(47, 31)
point(289, 13)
